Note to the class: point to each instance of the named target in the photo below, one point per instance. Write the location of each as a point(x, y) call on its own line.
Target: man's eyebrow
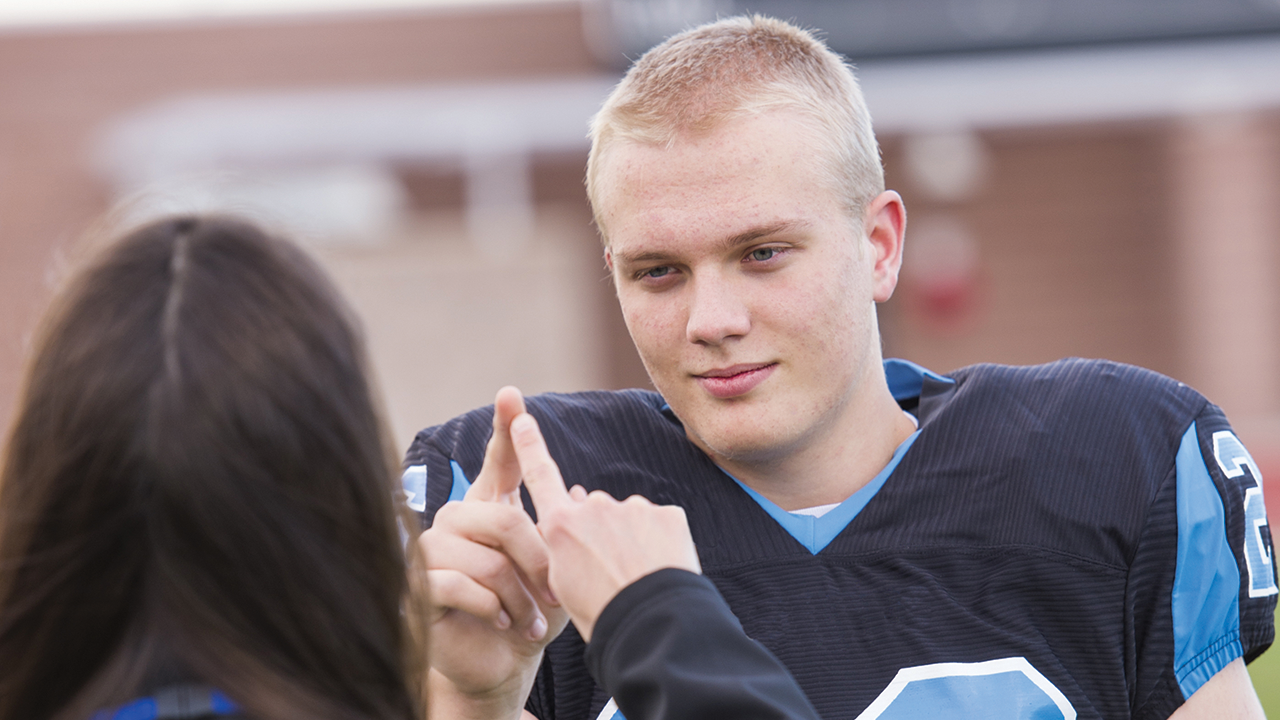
point(733, 241)
point(624, 259)
point(755, 233)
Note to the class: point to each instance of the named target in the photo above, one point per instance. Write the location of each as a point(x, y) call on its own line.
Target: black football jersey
point(1081, 539)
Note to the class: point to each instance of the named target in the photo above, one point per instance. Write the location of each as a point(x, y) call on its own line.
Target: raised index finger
point(499, 479)
point(541, 474)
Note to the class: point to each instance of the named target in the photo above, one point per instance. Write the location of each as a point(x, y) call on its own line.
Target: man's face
point(748, 288)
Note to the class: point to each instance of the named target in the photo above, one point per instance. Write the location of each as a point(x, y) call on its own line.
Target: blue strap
point(176, 702)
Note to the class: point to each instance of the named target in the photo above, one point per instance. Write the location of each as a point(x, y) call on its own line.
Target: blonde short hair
point(696, 81)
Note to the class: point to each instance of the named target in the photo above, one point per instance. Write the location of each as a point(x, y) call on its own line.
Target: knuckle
point(439, 549)
point(524, 440)
point(486, 605)
point(553, 528)
point(641, 500)
point(444, 587)
point(445, 515)
point(557, 516)
point(509, 519)
point(491, 568)
point(539, 563)
point(440, 582)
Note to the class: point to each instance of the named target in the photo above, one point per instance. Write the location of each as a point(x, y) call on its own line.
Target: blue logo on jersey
point(1233, 458)
point(1004, 689)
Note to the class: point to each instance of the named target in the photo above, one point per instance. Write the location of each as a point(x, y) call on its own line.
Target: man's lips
point(735, 380)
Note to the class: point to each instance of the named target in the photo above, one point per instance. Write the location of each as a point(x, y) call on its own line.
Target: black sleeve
point(668, 647)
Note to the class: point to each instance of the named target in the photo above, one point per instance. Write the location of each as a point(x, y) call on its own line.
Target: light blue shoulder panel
point(1206, 584)
point(460, 482)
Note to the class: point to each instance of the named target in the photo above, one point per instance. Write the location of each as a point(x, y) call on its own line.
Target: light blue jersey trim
point(906, 379)
point(460, 482)
point(610, 711)
point(816, 533)
point(1206, 582)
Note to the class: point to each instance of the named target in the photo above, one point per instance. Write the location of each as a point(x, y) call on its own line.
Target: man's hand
point(491, 610)
point(598, 545)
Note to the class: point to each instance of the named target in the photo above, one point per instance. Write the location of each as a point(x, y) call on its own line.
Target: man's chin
point(735, 448)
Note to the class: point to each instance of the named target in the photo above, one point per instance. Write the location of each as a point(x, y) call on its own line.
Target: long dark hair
point(198, 487)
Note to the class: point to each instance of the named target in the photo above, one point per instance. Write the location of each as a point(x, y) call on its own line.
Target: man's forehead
point(635, 167)
point(633, 170)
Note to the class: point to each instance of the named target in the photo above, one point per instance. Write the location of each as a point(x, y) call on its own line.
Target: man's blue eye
point(657, 272)
point(762, 254)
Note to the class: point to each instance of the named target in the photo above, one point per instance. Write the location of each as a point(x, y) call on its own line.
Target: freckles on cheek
point(648, 328)
point(653, 333)
point(654, 314)
point(818, 345)
point(804, 311)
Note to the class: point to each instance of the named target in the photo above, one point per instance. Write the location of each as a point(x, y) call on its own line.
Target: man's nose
point(717, 311)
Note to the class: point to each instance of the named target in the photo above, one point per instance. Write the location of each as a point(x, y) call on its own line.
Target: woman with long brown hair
point(195, 514)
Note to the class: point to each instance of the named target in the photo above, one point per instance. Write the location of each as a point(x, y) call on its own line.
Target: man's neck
point(830, 468)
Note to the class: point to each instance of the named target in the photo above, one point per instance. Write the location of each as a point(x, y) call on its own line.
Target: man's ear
point(886, 227)
point(608, 259)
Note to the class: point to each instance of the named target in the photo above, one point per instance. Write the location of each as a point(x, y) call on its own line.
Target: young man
point(1080, 539)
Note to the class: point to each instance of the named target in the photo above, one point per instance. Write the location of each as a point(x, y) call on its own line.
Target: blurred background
point(1084, 177)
